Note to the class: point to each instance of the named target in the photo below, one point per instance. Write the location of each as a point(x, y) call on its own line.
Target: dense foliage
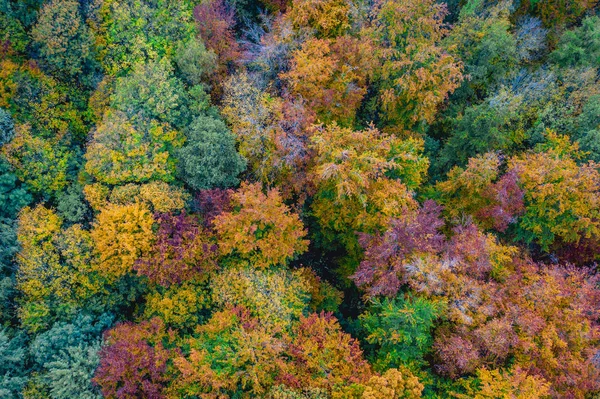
point(299, 199)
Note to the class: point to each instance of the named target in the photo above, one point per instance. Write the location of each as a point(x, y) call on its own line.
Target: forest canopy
point(299, 199)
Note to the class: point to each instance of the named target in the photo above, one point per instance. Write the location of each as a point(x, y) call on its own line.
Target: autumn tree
point(261, 229)
point(560, 196)
point(276, 297)
point(181, 251)
point(416, 74)
point(122, 151)
point(42, 164)
point(364, 178)
point(271, 133)
point(54, 275)
point(332, 76)
point(121, 235)
point(159, 27)
point(233, 355)
point(133, 363)
point(478, 191)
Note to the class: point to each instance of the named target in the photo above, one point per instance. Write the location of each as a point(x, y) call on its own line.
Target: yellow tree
point(562, 198)
point(364, 178)
point(416, 75)
point(331, 74)
point(54, 276)
point(260, 229)
point(121, 234)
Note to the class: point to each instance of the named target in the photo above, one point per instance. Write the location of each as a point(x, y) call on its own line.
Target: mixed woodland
point(299, 199)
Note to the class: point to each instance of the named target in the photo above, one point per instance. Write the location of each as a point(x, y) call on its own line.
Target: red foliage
point(323, 355)
point(216, 22)
point(506, 198)
point(180, 252)
point(134, 362)
point(211, 203)
point(385, 255)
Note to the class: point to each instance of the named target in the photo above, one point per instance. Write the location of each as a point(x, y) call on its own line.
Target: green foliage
point(7, 127)
point(63, 40)
point(13, 356)
point(579, 47)
point(42, 164)
point(401, 329)
point(66, 357)
point(133, 32)
point(71, 205)
point(122, 151)
point(209, 158)
point(13, 196)
point(152, 92)
point(194, 62)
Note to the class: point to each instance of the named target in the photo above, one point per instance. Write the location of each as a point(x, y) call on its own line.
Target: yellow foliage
point(54, 265)
point(332, 76)
point(276, 297)
point(501, 384)
point(393, 384)
point(329, 18)
point(121, 233)
point(179, 305)
point(261, 229)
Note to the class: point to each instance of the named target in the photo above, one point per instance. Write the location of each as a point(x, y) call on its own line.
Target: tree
point(561, 197)
point(393, 384)
point(54, 276)
point(401, 328)
point(482, 40)
point(42, 164)
point(332, 76)
point(7, 127)
point(209, 158)
point(327, 18)
point(133, 363)
point(276, 297)
point(181, 251)
point(364, 178)
point(64, 41)
point(479, 192)
point(324, 356)
point(215, 20)
point(514, 383)
point(66, 356)
point(195, 62)
point(182, 306)
point(157, 196)
point(416, 74)
point(13, 356)
point(121, 235)
point(271, 133)
point(151, 92)
point(122, 151)
point(131, 33)
point(579, 47)
point(386, 255)
point(13, 196)
point(231, 355)
point(261, 229)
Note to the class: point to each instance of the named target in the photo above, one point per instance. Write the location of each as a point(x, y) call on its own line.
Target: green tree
point(152, 92)
point(579, 47)
point(401, 329)
point(63, 40)
point(209, 158)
